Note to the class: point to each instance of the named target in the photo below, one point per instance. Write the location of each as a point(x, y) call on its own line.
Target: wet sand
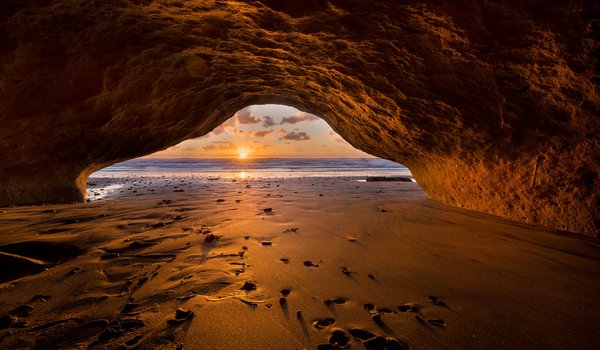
point(288, 264)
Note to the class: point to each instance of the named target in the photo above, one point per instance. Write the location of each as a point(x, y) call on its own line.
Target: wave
point(259, 167)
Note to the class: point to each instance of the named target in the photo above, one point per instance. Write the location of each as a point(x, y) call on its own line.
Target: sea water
point(230, 168)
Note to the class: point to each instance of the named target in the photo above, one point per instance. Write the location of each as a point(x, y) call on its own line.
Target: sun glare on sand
point(243, 152)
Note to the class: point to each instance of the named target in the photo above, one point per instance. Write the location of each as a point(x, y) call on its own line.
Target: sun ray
point(243, 152)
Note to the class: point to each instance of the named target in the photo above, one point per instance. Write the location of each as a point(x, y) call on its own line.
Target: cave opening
point(257, 142)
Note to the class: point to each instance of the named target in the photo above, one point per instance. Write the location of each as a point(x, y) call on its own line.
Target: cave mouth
point(258, 142)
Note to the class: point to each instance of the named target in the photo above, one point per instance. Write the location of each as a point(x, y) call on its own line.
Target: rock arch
point(493, 106)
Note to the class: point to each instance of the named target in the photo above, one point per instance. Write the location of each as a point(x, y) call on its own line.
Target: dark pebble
point(249, 286)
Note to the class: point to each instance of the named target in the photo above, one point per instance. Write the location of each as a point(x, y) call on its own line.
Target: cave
point(492, 105)
point(507, 91)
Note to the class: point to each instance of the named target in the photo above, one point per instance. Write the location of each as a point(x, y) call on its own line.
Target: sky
point(267, 131)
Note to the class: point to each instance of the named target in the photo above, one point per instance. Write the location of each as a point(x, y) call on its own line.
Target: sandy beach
point(326, 263)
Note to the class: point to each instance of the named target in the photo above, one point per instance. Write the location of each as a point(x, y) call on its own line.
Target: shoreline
point(113, 272)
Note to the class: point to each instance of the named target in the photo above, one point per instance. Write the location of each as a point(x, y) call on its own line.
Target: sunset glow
point(243, 152)
point(267, 131)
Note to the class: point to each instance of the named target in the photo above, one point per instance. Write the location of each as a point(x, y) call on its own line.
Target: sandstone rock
point(492, 105)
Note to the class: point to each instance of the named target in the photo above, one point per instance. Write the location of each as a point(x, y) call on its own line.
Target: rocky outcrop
point(493, 105)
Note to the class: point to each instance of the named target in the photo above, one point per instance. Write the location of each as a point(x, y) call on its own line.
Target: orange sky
point(263, 131)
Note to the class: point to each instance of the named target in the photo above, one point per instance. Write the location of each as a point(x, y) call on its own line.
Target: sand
point(328, 261)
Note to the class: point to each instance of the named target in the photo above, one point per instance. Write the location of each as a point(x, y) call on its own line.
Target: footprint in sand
point(346, 271)
point(385, 310)
point(369, 307)
point(323, 323)
point(383, 343)
point(408, 308)
point(436, 300)
point(338, 301)
point(361, 334)
point(40, 297)
point(339, 338)
point(421, 320)
point(309, 263)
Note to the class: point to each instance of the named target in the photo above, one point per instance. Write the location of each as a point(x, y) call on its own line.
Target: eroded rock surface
point(492, 105)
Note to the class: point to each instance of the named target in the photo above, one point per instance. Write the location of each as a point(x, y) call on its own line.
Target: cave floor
point(331, 260)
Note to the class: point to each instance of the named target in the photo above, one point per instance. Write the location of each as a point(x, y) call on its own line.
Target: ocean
point(229, 168)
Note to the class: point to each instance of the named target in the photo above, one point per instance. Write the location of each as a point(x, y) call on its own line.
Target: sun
point(243, 152)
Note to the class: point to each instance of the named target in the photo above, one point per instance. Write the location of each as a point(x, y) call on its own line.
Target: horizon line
point(250, 158)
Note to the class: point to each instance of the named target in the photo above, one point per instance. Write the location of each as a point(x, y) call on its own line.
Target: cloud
point(221, 128)
point(268, 121)
point(245, 117)
point(298, 118)
point(297, 136)
point(260, 145)
point(262, 133)
point(234, 132)
point(219, 146)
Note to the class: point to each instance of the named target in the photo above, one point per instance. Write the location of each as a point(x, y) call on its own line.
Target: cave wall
point(493, 105)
